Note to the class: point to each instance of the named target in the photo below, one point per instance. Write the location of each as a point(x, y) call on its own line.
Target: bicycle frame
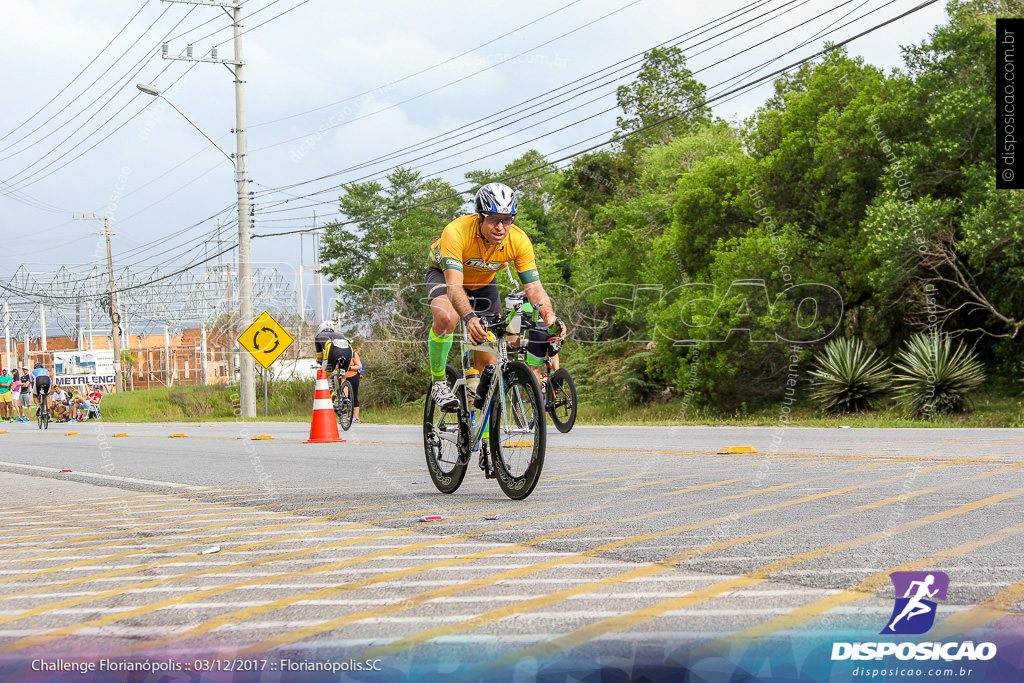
point(498, 348)
point(497, 345)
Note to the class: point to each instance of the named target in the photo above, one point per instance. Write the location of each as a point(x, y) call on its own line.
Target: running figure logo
point(914, 613)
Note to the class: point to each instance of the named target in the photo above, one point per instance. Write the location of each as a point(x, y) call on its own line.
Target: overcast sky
point(333, 85)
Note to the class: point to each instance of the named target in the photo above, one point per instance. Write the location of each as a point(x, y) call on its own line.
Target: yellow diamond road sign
point(265, 339)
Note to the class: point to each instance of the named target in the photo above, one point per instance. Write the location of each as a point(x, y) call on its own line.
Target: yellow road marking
point(200, 530)
point(230, 523)
point(106, 514)
point(82, 599)
point(298, 553)
point(217, 590)
point(666, 565)
point(631, 619)
point(995, 607)
point(34, 509)
point(298, 635)
point(867, 588)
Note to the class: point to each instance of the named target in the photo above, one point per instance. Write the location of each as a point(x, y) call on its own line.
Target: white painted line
point(108, 477)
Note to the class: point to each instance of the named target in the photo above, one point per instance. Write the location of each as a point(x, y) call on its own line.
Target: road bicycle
point(43, 412)
point(510, 413)
point(558, 387)
point(559, 396)
point(341, 395)
point(341, 392)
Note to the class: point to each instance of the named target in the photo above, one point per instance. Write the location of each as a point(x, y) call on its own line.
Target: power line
point(506, 113)
point(458, 80)
point(392, 83)
point(660, 122)
point(86, 108)
point(76, 77)
point(382, 174)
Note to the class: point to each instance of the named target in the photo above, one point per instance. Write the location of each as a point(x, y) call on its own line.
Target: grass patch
point(208, 403)
point(292, 401)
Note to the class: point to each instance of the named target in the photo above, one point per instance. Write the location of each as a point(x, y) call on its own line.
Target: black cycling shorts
point(484, 300)
point(339, 357)
point(41, 385)
point(537, 346)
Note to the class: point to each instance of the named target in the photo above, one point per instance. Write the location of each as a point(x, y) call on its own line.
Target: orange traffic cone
point(324, 428)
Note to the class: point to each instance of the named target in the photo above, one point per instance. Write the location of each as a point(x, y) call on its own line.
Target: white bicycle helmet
point(325, 326)
point(496, 198)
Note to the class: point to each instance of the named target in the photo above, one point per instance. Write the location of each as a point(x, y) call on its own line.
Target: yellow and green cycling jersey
point(461, 248)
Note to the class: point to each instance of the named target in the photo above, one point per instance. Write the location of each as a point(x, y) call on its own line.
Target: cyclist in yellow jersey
point(460, 281)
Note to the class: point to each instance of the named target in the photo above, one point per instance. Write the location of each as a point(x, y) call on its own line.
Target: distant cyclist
point(41, 383)
point(333, 351)
point(460, 280)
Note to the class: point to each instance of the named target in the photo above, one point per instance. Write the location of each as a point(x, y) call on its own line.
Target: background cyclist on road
point(538, 348)
point(339, 352)
point(41, 383)
point(460, 281)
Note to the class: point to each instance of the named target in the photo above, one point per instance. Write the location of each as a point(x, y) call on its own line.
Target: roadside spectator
point(6, 396)
point(75, 398)
point(94, 400)
point(26, 393)
point(25, 402)
point(59, 400)
point(85, 403)
point(15, 395)
point(355, 371)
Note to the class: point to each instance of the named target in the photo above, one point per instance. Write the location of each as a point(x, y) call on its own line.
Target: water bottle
point(472, 381)
point(513, 326)
point(485, 382)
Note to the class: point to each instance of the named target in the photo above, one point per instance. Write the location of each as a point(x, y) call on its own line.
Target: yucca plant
point(848, 378)
point(932, 376)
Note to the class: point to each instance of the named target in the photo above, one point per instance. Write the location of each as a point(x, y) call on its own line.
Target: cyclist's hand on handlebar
point(559, 325)
point(477, 331)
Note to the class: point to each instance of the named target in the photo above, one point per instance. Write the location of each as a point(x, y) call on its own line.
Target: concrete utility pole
point(318, 278)
point(115, 317)
point(247, 380)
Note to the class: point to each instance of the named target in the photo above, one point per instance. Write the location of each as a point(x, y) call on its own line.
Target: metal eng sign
point(73, 368)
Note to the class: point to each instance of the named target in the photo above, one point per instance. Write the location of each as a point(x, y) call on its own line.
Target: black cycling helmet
point(496, 198)
point(38, 366)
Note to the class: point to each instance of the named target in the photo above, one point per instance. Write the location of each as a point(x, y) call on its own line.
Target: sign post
point(266, 341)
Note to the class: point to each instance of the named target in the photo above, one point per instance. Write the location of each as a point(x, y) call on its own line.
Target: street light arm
point(149, 90)
point(212, 141)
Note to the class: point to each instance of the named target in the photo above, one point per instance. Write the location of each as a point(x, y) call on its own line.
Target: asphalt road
point(638, 543)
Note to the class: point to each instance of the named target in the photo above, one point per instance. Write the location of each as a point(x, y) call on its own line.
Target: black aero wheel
point(517, 432)
point(446, 439)
point(562, 399)
point(344, 405)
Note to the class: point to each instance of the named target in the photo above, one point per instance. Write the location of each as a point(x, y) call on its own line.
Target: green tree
point(949, 246)
point(379, 253)
point(664, 93)
point(818, 166)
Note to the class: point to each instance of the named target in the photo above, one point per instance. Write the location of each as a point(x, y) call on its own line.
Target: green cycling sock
point(438, 348)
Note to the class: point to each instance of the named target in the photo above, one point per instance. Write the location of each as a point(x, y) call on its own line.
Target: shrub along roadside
point(849, 379)
point(934, 377)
